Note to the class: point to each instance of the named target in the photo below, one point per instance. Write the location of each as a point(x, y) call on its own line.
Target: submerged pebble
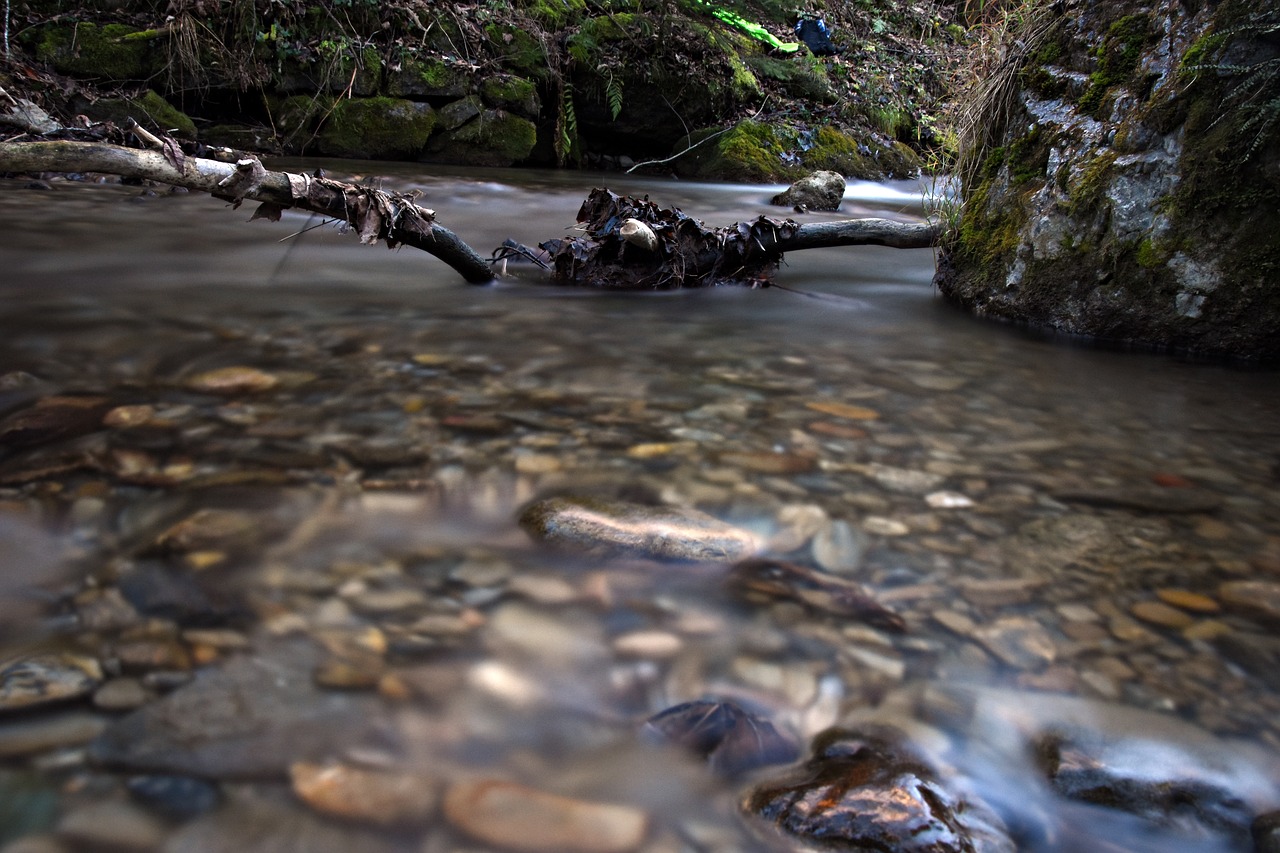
point(665, 533)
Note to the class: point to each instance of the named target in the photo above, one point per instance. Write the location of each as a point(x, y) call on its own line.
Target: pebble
point(121, 694)
point(1185, 600)
point(383, 798)
point(174, 797)
point(1159, 613)
point(517, 817)
point(112, 825)
point(654, 645)
point(1018, 641)
point(948, 500)
point(1000, 592)
point(878, 525)
point(843, 410)
point(45, 679)
point(904, 480)
point(838, 547)
point(231, 381)
point(1255, 598)
point(660, 532)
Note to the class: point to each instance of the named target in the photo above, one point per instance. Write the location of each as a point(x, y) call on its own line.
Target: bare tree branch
point(376, 215)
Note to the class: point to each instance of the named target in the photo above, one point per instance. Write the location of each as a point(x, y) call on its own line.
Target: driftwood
point(374, 214)
point(627, 243)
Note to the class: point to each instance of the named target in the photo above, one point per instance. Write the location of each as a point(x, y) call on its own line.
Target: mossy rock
point(334, 70)
point(553, 14)
point(150, 110)
point(494, 138)
point(377, 129)
point(751, 151)
point(521, 51)
point(512, 93)
point(103, 53)
point(798, 76)
point(429, 77)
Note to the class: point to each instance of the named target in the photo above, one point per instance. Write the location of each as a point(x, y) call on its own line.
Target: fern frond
point(613, 94)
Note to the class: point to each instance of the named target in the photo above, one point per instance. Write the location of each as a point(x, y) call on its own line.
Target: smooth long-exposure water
point(264, 587)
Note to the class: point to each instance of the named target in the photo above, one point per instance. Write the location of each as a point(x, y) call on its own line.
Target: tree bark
point(399, 220)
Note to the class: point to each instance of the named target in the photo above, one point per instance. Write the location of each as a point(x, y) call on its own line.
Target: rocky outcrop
point(1130, 194)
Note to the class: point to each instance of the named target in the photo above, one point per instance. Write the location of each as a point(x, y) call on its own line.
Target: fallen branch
point(628, 244)
point(374, 214)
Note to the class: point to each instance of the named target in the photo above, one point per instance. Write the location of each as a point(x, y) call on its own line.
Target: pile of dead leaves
point(688, 254)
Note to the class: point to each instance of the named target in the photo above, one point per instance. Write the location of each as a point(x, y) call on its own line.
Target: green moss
point(521, 51)
point(1028, 157)
point(836, 152)
point(377, 128)
point(149, 110)
point(1151, 255)
point(751, 151)
point(1086, 193)
point(1118, 57)
point(800, 77)
point(511, 93)
point(86, 50)
point(554, 14)
point(494, 138)
point(984, 237)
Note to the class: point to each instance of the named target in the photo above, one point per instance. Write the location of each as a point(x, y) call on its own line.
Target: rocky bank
point(1127, 191)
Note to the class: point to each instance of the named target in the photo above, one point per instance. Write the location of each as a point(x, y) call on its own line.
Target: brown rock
point(843, 410)
point(42, 679)
point(667, 533)
point(999, 592)
point(1159, 613)
point(1018, 641)
point(233, 380)
point(1258, 598)
point(1187, 600)
point(517, 817)
point(371, 796)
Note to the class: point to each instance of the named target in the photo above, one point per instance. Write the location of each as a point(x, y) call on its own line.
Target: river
point(317, 564)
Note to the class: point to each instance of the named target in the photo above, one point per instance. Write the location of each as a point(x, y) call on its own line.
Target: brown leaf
point(173, 152)
point(268, 211)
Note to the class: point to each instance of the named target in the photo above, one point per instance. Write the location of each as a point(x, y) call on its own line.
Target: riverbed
point(262, 536)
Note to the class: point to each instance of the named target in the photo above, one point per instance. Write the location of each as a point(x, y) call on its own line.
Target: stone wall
point(1131, 194)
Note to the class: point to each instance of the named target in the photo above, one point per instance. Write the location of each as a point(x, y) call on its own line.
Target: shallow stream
point(316, 564)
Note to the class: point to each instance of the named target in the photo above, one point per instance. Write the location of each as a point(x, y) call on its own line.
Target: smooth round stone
point(44, 679)
point(658, 645)
point(666, 533)
point(112, 825)
point(121, 694)
point(878, 525)
point(517, 817)
point(838, 548)
point(1159, 613)
point(371, 796)
point(1260, 598)
point(1186, 600)
point(233, 380)
point(948, 500)
point(1018, 641)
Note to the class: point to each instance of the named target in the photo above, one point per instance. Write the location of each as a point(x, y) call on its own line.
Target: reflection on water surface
point(265, 586)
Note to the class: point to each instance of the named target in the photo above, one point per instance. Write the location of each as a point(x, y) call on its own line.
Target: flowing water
point(324, 558)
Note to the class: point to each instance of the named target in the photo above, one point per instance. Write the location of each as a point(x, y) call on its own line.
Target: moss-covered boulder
point(1130, 191)
point(377, 129)
point(428, 77)
point(112, 52)
point(801, 76)
point(149, 110)
point(513, 94)
point(493, 138)
point(751, 151)
point(867, 158)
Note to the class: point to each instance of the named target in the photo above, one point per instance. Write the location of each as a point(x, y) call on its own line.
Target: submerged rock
point(665, 533)
point(44, 679)
point(732, 739)
point(870, 792)
point(819, 191)
point(517, 817)
point(1129, 781)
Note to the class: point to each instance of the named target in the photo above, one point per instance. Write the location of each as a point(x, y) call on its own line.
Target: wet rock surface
point(869, 792)
point(293, 617)
point(659, 532)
